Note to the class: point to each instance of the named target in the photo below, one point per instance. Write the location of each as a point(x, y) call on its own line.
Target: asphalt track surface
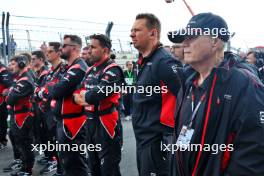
point(128, 163)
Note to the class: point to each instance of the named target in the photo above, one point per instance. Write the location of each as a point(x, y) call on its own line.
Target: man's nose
point(132, 34)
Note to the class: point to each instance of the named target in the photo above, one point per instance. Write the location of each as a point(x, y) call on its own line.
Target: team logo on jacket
point(110, 73)
point(87, 86)
point(102, 161)
point(149, 63)
point(228, 97)
point(174, 68)
point(261, 116)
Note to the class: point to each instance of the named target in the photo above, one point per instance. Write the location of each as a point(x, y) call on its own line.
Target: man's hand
point(5, 92)
point(80, 98)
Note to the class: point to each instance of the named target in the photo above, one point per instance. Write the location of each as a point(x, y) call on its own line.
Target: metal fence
point(26, 33)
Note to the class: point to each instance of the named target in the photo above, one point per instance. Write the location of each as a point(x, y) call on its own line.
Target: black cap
point(202, 24)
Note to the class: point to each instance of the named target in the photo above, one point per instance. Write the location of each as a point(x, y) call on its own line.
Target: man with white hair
point(221, 110)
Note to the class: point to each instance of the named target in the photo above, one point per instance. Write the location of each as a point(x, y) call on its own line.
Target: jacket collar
point(222, 71)
point(142, 60)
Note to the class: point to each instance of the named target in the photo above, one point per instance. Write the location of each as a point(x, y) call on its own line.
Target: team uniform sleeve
point(6, 78)
point(170, 74)
point(64, 87)
point(110, 79)
point(18, 91)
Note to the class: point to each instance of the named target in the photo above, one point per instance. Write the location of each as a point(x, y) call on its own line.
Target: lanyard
point(195, 110)
point(205, 124)
point(129, 74)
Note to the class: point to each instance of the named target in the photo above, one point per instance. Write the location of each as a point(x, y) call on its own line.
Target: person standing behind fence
point(130, 78)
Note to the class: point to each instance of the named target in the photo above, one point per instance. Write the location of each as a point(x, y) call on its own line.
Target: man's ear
point(214, 41)
point(218, 44)
point(154, 33)
point(106, 50)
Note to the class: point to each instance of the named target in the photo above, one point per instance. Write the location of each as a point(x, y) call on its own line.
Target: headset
point(259, 59)
point(22, 61)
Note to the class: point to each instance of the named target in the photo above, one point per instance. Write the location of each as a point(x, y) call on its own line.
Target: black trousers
point(23, 138)
point(152, 161)
point(51, 136)
point(12, 137)
point(73, 162)
point(3, 122)
point(106, 161)
point(91, 127)
point(127, 101)
point(37, 126)
point(47, 134)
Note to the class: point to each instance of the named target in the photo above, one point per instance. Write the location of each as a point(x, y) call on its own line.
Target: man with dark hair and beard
point(71, 128)
point(102, 108)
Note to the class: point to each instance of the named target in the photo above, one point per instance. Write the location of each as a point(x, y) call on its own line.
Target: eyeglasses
point(65, 45)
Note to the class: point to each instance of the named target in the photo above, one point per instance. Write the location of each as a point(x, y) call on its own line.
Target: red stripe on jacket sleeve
point(168, 106)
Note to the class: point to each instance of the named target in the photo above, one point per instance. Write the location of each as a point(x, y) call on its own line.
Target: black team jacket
point(102, 99)
point(233, 115)
point(19, 98)
point(157, 85)
point(5, 81)
point(61, 93)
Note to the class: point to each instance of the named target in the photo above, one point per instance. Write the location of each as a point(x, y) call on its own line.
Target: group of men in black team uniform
point(63, 105)
point(202, 96)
